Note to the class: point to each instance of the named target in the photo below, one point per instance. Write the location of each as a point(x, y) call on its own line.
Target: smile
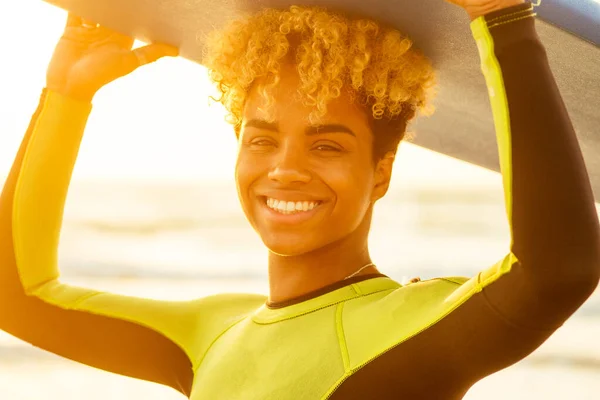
point(291, 207)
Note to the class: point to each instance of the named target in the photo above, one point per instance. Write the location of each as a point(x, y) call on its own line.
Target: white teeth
point(281, 206)
point(289, 207)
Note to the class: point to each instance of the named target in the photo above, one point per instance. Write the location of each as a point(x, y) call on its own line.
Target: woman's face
point(301, 186)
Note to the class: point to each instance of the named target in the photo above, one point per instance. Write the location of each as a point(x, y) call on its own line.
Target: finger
point(73, 20)
point(152, 52)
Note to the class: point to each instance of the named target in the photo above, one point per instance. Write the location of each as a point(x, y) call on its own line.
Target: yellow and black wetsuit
point(365, 338)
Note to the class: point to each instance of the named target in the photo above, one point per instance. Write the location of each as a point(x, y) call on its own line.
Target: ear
point(383, 176)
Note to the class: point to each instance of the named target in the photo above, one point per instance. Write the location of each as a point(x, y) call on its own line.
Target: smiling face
point(305, 186)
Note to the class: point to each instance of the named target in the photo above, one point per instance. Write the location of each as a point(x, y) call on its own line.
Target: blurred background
point(153, 212)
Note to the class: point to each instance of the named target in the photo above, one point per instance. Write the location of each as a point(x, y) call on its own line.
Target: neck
point(294, 276)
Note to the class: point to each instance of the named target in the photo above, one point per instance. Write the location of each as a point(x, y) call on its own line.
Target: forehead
point(289, 109)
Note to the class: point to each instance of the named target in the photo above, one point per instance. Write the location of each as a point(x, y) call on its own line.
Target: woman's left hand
point(477, 8)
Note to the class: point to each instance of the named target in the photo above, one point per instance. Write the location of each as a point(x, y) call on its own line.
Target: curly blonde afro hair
point(333, 54)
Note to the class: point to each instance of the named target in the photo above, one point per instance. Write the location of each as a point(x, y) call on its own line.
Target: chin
point(290, 247)
point(294, 244)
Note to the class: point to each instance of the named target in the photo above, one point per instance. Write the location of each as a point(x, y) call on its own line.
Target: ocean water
point(183, 241)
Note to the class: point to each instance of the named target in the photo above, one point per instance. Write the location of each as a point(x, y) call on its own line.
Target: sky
point(155, 124)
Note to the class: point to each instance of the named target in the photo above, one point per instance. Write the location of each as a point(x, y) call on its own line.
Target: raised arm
point(554, 263)
point(507, 311)
point(133, 337)
point(510, 309)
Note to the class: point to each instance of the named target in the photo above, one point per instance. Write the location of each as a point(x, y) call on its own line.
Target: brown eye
point(327, 148)
point(262, 143)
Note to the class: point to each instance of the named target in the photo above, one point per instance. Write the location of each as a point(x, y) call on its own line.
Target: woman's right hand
point(88, 56)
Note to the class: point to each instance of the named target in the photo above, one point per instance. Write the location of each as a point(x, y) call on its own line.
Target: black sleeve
point(554, 223)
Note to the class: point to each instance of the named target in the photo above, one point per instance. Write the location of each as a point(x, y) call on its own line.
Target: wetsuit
point(365, 338)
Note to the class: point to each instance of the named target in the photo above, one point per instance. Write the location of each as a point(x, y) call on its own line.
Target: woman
point(319, 103)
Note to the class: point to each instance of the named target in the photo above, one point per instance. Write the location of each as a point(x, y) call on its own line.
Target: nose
point(290, 166)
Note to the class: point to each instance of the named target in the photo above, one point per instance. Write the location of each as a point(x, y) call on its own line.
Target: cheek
point(353, 186)
point(245, 174)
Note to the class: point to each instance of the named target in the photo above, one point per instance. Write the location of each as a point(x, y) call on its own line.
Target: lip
point(277, 217)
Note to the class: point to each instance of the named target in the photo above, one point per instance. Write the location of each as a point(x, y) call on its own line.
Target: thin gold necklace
point(357, 272)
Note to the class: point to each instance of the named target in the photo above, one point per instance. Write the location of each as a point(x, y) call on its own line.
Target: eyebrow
point(311, 130)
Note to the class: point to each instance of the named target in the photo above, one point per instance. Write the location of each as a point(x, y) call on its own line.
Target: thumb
point(152, 52)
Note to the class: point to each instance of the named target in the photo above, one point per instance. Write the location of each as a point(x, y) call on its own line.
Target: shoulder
point(413, 295)
point(442, 283)
point(213, 315)
point(399, 314)
point(434, 292)
point(455, 280)
point(229, 304)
